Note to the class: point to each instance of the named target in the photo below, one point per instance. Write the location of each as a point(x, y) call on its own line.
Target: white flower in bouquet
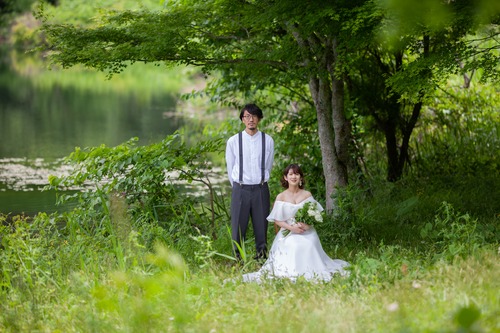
point(308, 214)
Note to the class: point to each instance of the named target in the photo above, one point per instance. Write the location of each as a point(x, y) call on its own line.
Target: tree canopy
point(376, 58)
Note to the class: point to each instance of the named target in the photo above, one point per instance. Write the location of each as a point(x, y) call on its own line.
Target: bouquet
point(308, 214)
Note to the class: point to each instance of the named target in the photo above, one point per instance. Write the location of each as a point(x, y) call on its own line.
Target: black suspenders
point(240, 140)
point(263, 161)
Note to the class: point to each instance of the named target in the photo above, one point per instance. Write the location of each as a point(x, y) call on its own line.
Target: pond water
point(41, 125)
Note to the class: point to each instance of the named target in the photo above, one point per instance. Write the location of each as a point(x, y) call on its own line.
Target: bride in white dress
point(298, 254)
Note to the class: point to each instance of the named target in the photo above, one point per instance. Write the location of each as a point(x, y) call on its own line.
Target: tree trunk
point(341, 125)
point(397, 157)
point(321, 94)
point(334, 130)
point(327, 93)
point(407, 131)
point(389, 128)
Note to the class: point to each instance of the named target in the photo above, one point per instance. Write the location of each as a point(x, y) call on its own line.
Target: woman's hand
point(297, 228)
point(304, 226)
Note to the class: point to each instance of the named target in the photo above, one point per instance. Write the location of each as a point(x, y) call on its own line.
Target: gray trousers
point(250, 201)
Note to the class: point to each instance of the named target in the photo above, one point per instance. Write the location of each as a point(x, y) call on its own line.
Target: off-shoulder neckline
point(291, 203)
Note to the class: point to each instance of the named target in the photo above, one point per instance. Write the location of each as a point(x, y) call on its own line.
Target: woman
point(299, 253)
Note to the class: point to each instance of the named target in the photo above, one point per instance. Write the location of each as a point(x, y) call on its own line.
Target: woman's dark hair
point(296, 170)
point(252, 109)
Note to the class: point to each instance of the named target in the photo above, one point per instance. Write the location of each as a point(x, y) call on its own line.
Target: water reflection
point(21, 184)
point(39, 126)
point(50, 123)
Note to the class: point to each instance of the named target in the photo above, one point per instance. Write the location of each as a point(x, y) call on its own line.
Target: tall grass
point(80, 285)
point(63, 274)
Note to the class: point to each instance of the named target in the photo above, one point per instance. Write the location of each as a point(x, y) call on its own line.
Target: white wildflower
point(394, 306)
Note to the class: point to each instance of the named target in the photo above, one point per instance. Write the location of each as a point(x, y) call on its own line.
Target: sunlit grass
point(170, 298)
point(69, 278)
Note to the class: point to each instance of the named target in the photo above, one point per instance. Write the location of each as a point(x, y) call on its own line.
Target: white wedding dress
point(296, 255)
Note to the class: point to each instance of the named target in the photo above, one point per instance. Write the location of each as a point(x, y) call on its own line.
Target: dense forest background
point(392, 111)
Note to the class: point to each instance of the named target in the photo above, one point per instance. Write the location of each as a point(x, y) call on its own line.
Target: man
point(249, 159)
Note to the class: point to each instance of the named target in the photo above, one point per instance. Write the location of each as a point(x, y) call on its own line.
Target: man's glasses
point(250, 116)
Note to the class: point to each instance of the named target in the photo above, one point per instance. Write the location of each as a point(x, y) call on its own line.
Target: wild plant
point(205, 252)
point(146, 301)
point(451, 234)
point(344, 225)
point(152, 180)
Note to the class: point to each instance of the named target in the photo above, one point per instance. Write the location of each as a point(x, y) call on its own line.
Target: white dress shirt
point(252, 158)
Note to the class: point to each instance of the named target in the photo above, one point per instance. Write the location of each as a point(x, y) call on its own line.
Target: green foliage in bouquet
point(308, 214)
